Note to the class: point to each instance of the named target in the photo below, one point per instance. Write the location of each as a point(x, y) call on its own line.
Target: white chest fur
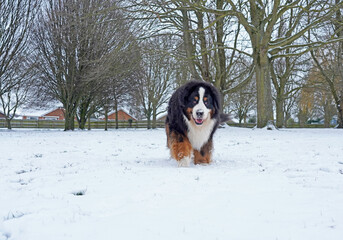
point(199, 135)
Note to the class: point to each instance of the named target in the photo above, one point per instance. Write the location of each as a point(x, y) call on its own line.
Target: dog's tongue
point(198, 121)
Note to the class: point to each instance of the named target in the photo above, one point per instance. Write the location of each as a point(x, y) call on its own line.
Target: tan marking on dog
point(204, 155)
point(179, 149)
point(189, 113)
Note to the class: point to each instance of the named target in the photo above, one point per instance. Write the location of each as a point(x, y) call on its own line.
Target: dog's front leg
point(181, 150)
point(204, 155)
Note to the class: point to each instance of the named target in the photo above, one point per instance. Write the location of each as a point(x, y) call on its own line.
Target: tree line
point(279, 59)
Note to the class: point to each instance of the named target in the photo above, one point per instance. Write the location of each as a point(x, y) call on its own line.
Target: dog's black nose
point(200, 113)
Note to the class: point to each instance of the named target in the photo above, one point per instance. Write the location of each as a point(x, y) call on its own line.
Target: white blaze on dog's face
point(200, 111)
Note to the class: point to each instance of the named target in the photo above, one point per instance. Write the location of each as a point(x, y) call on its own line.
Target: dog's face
point(200, 105)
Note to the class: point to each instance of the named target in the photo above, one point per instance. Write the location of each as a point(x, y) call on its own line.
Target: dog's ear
point(182, 95)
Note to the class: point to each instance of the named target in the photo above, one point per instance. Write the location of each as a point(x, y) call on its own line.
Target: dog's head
point(201, 103)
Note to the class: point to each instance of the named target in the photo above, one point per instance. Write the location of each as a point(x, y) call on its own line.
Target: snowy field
point(81, 185)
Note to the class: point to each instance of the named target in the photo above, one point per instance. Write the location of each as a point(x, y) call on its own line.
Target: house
point(57, 114)
point(30, 114)
point(2, 116)
point(122, 116)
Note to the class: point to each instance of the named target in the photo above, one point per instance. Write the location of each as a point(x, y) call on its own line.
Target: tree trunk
point(89, 122)
point(117, 120)
point(116, 111)
point(84, 111)
point(259, 40)
point(280, 117)
point(205, 69)
point(148, 115)
point(287, 117)
point(302, 118)
point(340, 112)
point(264, 91)
point(189, 47)
point(69, 121)
point(339, 31)
point(8, 123)
point(69, 116)
point(221, 58)
point(327, 115)
point(149, 123)
point(82, 119)
point(106, 118)
point(280, 94)
point(154, 118)
point(240, 117)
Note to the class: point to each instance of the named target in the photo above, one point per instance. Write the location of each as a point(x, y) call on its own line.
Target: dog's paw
point(184, 162)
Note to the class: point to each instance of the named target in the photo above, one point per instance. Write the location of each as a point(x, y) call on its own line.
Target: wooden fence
point(97, 124)
point(295, 125)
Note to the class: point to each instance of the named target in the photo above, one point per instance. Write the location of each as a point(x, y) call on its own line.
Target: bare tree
point(120, 80)
point(305, 104)
point(76, 42)
point(17, 95)
point(107, 44)
point(285, 70)
point(292, 91)
point(242, 102)
point(286, 75)
point(16, 19)
point(57, 56)
point(156, 83)
point(325, 79)
point(324, 106)
point(329, 60)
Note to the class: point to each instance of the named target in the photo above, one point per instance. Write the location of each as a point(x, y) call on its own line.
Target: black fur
point(179, 102)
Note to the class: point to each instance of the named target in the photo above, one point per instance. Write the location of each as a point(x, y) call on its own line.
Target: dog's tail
point(224, 117)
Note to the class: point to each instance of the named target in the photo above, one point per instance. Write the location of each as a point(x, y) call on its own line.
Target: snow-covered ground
point(285, 184)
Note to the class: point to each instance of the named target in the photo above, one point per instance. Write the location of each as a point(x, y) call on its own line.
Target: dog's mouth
point(198, 121)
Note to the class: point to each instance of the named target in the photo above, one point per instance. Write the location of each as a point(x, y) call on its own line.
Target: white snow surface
point(122, 184)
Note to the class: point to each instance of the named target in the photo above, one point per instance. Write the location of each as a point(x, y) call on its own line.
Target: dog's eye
point(205, 100)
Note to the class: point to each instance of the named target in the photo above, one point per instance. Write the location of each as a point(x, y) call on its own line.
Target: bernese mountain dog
point(193, 117)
